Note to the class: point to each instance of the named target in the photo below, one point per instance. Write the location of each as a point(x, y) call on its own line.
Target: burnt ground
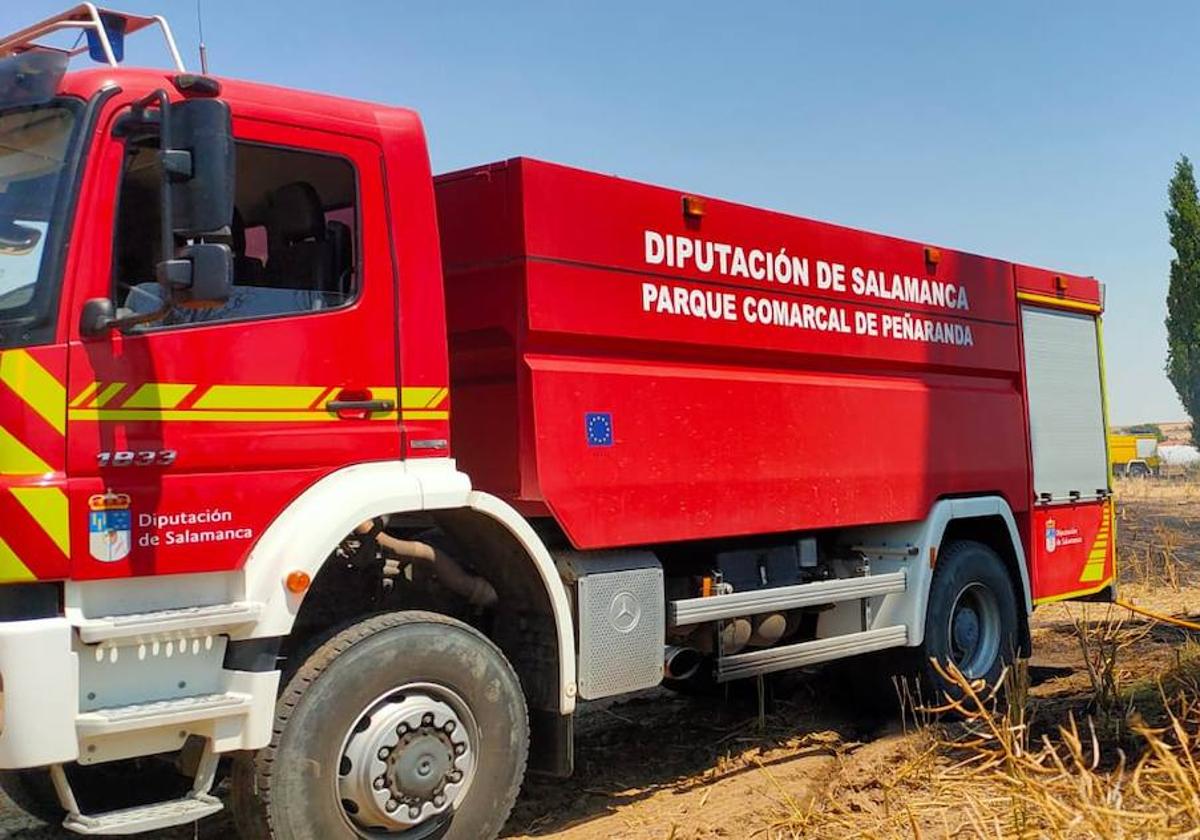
point(659, 766)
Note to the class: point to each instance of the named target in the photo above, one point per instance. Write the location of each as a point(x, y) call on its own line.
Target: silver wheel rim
point(407, 762)
point(974, 630)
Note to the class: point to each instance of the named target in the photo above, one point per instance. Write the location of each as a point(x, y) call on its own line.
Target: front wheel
point(33, 792)
point(971, 618)
point(406, 725)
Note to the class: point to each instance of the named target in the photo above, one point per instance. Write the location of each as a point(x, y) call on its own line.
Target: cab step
point(182, 620)
point(784, 657)
point(153, 817)
point(139, 716)
point(754, 601)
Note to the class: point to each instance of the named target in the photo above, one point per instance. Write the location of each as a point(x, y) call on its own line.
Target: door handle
point(357, 404)
point(360, 405)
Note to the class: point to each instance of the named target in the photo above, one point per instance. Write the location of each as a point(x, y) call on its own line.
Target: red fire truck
point(354, 481)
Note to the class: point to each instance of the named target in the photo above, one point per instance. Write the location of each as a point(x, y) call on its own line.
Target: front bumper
point(39, 693)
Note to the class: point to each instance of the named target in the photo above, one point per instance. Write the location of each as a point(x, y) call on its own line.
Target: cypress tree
point(1183, 294)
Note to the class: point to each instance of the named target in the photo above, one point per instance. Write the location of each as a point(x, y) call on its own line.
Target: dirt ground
point(659, 766)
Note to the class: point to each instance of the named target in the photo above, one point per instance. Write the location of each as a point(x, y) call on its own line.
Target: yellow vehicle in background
point(1133, 455)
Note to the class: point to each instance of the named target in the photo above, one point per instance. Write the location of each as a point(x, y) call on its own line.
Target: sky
point(1043, 133)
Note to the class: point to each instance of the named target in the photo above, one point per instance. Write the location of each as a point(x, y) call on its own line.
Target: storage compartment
point(646, 369)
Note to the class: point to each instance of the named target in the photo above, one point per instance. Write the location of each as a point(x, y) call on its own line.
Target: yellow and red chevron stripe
point(1097, 561)
point(33, 505)
point(163, 402)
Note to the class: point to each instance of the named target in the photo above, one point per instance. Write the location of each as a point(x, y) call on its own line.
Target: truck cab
point(203, 284)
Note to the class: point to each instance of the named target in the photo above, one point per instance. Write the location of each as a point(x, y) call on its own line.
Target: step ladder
point(179, 626)
point(173, 623)
point(183, 710)
point(196, 805)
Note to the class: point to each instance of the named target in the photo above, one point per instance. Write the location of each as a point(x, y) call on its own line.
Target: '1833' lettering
point(140, 458)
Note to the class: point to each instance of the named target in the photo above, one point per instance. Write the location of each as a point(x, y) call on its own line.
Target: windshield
point(35, 149)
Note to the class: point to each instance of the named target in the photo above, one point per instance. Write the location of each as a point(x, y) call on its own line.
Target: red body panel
point(1073, 549)
point(721, 425)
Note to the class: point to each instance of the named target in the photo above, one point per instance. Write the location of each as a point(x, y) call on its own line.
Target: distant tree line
point(1146, 429)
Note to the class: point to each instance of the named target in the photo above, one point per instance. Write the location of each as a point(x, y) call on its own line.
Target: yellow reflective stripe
point(421, 397)
point(158, 395)
point(1063, 303)
point(36, 386)
point(110, 391)
point(1077, 593)
point(12, 570)
point(192, 416)
point(85, 394)
point(1093, 570)
point(389, 394)
point(17, 459)
point(48, 507)
point(259, 396)
point(157, 401)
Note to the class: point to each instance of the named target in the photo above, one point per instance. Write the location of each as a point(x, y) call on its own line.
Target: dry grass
point(1116, 776)
point(983, 778)
point(1184, 489)
point(1119, 760)
point(1102, 645)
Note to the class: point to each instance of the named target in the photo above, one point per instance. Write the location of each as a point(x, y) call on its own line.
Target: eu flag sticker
point(598, 426)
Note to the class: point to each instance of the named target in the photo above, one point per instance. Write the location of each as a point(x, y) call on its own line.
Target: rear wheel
point(971, 618)
point(406, 725)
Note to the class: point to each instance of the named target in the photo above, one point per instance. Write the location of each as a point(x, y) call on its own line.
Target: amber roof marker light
point(693, 207)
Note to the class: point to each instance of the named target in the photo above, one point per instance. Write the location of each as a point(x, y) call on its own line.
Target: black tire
point(289, 790)
point(1138, 471)
point(33, 792)
point(970, 579)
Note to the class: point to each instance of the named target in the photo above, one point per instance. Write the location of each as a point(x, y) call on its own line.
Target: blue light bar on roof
point(114, 28)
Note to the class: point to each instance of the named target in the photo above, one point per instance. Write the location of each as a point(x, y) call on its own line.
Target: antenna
point(203, 49)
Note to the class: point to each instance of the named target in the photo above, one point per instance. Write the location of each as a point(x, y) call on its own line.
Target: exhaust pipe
point(679, 663)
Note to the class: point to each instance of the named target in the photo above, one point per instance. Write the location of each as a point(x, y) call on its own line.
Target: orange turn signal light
point(693, 206)
point(1060, 284)
point(298, 582)
point(933, 256)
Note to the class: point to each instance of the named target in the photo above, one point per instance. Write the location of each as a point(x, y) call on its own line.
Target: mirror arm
point(98, 319)
point(127, 321)
point(172, 164)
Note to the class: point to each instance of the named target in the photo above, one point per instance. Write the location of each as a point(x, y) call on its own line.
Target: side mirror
point(98, 317)
point(199, 162)
point(201, 276)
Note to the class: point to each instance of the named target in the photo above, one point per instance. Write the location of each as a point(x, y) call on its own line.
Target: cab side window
point(293, 236)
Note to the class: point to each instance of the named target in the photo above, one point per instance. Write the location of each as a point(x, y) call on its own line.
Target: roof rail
point(103, 28)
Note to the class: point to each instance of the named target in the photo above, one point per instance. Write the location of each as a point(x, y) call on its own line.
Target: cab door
point(188, 435)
